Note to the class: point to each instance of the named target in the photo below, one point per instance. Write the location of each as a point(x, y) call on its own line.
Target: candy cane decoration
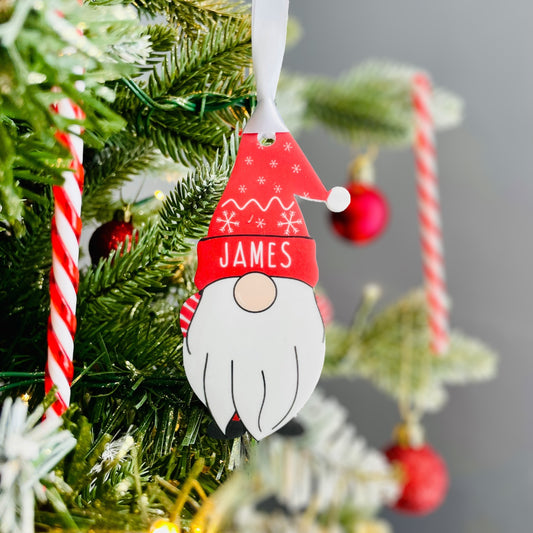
point(429, 215)
point(64, 277)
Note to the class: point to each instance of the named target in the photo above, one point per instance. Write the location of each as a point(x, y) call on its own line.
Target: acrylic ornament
point(253, 334)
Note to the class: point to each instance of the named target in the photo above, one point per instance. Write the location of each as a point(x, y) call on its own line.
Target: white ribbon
point(269, 33)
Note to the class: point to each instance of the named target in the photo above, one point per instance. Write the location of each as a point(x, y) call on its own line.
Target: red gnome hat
point(257, 225)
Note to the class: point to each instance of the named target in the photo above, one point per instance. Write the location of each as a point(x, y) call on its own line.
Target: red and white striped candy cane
point(64, 277)
point(429, 214)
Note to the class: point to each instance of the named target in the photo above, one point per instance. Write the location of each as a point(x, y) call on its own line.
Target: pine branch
point(112, 483)
point(32, 60)
point(193, 15)
point(10, 192)
point(373, 104)
point(213, 62)
point(111, 290)
point(25, 263)
point(363, 111)
point(23, 474)
point(193, 100)
point(187, 213)
point(114, 287)
point(291, 484)
point(132, 375)
point(162, 38)
point(107, 169)
point(393, 352)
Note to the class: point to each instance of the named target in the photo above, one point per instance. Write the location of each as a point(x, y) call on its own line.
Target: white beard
point(262, 366)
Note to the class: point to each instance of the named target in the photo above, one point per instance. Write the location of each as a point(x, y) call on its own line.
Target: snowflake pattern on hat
point(263, 185)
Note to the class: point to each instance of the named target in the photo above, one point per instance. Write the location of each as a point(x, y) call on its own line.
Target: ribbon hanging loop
point(269, 35)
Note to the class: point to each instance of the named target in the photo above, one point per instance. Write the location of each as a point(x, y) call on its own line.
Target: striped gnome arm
point(187, 312)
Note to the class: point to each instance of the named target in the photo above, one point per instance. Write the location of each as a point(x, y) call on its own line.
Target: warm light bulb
point(25, 398)
point(160, 195)
point(164, 526)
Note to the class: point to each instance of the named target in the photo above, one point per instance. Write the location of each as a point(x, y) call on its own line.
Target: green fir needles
point(392, 350)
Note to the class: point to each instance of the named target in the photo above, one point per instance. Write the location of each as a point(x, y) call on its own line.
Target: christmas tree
point(165, 88)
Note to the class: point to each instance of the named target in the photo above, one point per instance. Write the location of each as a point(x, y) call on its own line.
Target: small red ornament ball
point(426, 478)
point(365, 218)
point(109, 237)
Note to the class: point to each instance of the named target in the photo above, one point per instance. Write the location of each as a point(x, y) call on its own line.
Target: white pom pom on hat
point(338, 199)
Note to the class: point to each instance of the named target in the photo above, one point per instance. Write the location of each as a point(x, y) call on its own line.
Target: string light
point(160, 195)
point(26, 398)
point(164, 526)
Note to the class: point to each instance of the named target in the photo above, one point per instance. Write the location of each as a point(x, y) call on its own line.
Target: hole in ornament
point(266, 139)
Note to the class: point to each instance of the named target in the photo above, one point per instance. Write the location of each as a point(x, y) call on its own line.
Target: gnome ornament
point(253, 334)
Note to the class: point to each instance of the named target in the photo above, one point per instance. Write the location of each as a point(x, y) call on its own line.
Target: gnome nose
point(255, 292)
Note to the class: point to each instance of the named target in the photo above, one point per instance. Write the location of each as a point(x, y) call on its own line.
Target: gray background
point(482, 50)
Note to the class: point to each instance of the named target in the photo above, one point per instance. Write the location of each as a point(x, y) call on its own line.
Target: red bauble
point(426, 478)
point(365, 218)
point(110, 236)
